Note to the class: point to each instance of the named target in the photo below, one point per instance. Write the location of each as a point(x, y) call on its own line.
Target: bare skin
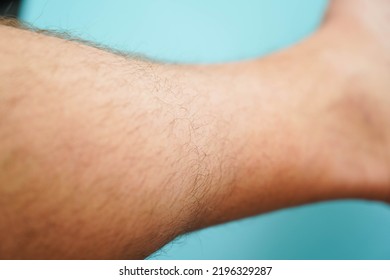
point(103, 156)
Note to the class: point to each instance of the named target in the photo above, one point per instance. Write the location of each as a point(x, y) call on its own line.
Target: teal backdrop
point(200, 31)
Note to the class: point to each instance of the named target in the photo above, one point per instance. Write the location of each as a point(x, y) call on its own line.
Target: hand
point(357, 48)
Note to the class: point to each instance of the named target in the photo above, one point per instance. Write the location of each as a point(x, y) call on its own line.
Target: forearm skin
point(104, 156)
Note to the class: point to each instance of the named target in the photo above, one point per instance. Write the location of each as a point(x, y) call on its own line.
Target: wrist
point(350, 115)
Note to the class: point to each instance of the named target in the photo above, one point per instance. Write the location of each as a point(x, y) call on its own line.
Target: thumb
point(366, 10)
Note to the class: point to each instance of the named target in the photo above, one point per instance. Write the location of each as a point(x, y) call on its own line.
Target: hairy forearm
point(104, 156)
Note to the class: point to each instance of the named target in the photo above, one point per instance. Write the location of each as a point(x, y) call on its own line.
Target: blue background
point(192, 31)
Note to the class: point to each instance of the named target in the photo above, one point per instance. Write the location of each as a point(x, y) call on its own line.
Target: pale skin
point(105, 156)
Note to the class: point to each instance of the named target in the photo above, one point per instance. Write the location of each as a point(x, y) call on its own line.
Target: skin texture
point(107, 156)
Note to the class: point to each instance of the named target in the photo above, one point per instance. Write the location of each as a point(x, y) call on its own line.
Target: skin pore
point(104, 156)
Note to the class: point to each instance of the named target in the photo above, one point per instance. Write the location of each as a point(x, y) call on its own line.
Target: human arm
point(104, 156)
